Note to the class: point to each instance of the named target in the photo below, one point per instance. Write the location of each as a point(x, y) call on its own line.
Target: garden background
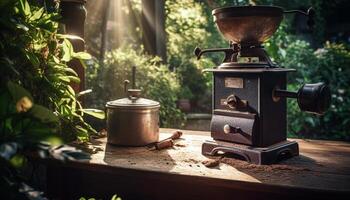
point(319, 54)
point(40, 110)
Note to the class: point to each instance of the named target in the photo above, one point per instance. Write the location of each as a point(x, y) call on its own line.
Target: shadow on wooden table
point(286, 172)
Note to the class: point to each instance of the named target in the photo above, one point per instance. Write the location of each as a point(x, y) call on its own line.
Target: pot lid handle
point(133, 93)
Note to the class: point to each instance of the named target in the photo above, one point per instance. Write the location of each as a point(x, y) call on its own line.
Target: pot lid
point(133, 103)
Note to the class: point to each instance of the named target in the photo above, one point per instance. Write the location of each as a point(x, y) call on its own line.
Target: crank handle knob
point(314, 98)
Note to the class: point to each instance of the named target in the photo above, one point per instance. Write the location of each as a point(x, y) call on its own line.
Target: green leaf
point(83, 63)
point(65, 68)
point(23, 27)
point(53, 140)
point(67, 36)
point(70, 70)
point(74, 79)
point(100, 114)
point(18, 161)
point(82, 134)
point(37, 14)
point(8, 124)
point(114, 197)
point(82, 55)
point(64, 79)
point(84, 92)
point(43, 114)
point(25, 8)
point(70, 90)
point(17, 92)
point(81, 129)
point(55, 59)
point(33, 59)
point(67, 50)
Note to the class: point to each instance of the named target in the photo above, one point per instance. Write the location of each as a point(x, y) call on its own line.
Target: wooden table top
point(321, 165)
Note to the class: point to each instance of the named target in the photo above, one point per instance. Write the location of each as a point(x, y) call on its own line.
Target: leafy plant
point(34, 55)
point(154, 78)
point(26, 128)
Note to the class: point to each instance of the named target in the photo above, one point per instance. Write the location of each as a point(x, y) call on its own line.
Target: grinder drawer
point(233, 127)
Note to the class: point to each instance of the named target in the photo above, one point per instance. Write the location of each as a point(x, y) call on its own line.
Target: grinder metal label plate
point(248, 59)
point(233, 82)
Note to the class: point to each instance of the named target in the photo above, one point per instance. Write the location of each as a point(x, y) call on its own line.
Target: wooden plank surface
point(322, 165)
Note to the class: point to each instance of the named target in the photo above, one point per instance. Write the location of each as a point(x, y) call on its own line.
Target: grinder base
point(255, 155)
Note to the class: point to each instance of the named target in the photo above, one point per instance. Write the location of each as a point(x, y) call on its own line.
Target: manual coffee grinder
point(249, 90)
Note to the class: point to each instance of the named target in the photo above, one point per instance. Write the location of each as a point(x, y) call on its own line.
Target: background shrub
point(186, 28)
point(154, 78)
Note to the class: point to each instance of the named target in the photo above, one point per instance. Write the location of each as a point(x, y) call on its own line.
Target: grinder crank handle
point(228, 52)
point(313, 98)
point(310, 13)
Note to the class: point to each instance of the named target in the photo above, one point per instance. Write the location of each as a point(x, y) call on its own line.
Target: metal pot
point(132, 121)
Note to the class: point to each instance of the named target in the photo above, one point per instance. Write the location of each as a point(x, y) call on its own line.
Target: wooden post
point(73, 17)
point(153, 27)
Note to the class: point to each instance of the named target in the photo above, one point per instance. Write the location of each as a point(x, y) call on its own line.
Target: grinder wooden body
point(255, 118)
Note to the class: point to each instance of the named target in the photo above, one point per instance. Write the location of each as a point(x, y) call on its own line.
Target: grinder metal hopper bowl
point(249, 91)
point(250, 24)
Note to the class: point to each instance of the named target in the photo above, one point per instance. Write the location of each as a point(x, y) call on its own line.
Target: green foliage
point(152, 77)
point(35, 56)
point(33, 59)
point(26, 127)
point(22, 120)
point(186, 24)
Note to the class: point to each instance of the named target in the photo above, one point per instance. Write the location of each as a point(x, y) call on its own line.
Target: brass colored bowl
point(248, 24)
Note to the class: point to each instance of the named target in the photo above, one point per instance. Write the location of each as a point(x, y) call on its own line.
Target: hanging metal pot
point(132, 121)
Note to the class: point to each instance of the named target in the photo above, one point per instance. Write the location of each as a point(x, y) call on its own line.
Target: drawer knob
point(229, 129)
